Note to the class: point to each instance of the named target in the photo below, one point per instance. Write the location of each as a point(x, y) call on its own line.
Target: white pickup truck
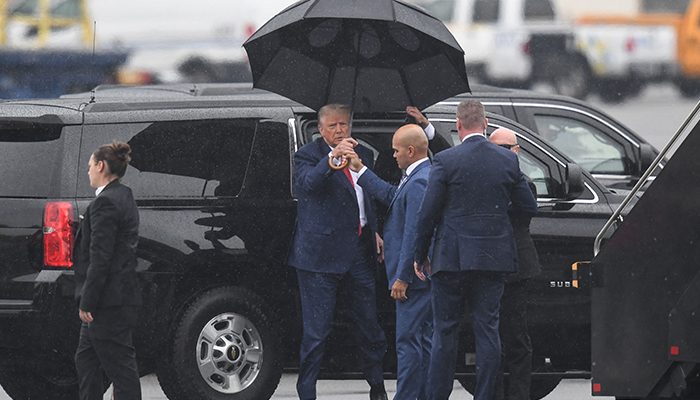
point(521, 42)
point(516, 43)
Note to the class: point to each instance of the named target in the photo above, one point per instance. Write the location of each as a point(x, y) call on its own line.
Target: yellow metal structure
point(44, 21)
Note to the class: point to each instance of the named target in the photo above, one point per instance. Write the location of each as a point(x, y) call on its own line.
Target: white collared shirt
point(472, 135)
point(413, 166)
point(429, 131)
point(99, 190)
point(360, 194)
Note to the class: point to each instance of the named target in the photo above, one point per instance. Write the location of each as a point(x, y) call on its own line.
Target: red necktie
point(347, 173)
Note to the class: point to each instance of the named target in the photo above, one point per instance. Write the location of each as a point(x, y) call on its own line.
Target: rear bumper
point(43, 329)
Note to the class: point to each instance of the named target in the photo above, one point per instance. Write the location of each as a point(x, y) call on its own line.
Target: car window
point(179, 158)
point(538, 10)
point(537, 171)
point(486, 11)
point(585, 144)
point(532, 167)
point(34, 152)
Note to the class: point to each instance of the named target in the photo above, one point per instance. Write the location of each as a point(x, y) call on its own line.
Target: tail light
point(58, 234)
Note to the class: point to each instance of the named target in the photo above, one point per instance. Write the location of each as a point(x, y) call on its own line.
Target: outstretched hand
point(418, 116)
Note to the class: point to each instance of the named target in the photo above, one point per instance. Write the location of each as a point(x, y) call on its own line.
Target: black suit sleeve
point(103, 225)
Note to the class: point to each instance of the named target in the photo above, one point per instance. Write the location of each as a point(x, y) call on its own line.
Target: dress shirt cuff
point(429, 131)
point(361, 171)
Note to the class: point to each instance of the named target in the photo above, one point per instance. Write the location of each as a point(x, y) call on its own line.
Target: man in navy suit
point(515, 338)
point(470, 190)
point(334, 247)
point(413, 313)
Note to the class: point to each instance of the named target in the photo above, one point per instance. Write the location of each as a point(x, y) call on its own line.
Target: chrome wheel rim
point(229, 353)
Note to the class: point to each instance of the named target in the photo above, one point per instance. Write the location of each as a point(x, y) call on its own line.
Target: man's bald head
point(506, 138)
point(410, 144)
point(413, 135)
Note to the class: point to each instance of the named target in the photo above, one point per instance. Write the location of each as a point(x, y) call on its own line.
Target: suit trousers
point(414, 331)
point(107, 350)
point(318, 299)
point(517, 347)
point(483, 291)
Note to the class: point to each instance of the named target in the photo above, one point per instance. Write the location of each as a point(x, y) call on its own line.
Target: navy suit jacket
point(469, 191)
point(104, 254)
point(327, 212)
point(400, 226)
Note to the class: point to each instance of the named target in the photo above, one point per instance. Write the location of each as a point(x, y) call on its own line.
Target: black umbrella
point(377, 55)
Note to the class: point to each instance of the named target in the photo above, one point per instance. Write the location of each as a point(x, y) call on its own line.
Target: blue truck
point(51, 73)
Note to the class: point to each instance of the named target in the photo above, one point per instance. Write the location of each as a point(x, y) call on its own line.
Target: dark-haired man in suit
point(470, 190)
point(333, 248)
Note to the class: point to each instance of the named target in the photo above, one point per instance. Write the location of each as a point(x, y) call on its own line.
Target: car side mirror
point(573, 185)
point(646, 157)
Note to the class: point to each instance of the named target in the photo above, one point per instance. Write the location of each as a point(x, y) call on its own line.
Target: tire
point(30, 386)
point(616, 91)
point(689, 88)
point(571, 77)
point(540, 386)
point(223, 347)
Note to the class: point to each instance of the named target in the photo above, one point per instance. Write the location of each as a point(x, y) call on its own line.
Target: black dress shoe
point(377, 392)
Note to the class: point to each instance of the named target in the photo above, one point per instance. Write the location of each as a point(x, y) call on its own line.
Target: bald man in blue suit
point(414, 326)
point(470, 190)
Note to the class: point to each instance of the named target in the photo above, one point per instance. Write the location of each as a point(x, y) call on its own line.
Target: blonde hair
point(472, 114)
point(331, 108)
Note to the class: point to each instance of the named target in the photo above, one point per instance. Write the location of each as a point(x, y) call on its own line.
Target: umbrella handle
point(337, 167)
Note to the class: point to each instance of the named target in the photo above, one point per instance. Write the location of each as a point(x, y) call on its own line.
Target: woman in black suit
point(107, 289)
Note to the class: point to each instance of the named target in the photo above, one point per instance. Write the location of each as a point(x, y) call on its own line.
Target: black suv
point(212, 173)
point(613, 154)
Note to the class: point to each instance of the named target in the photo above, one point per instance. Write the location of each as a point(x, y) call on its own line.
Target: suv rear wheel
point(223, 347)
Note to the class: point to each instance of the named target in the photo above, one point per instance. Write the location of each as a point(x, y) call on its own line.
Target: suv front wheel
point(223, 347)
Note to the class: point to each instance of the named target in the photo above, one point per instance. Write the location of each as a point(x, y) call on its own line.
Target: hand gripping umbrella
point(375, 55)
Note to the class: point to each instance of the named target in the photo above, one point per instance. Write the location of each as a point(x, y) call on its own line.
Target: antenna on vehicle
point(94, 34)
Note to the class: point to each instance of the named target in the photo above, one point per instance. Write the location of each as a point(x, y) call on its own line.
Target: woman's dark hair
point(115, 155)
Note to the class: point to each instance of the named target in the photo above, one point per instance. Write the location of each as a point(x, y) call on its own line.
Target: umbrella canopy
point(376, 55)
